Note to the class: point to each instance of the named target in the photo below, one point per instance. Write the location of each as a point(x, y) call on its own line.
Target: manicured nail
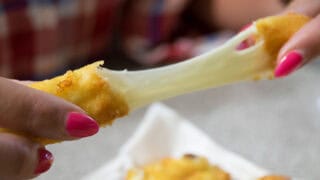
point(288, 64)
point(45, 160)
point(80, 125)
point(243, 45)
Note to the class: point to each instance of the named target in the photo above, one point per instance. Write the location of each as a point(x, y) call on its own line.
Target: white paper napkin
point(163, 133)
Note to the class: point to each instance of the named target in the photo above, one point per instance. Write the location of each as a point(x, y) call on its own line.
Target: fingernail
point(45, 160)
point(245, 27)
point(288, 64)
point(80, 125)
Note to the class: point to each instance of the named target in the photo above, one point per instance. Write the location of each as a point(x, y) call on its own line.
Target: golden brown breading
point(105, 102)
point(274, 177)
point(186, 168)
point(85, 88)
point(189, 167)
point(277, 30)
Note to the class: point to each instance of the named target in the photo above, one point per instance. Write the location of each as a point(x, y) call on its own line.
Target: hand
point(305, 44)
point(39, 114)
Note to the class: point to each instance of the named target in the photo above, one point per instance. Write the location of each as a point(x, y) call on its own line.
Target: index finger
point(42, 115)
point(304, 45)
point(307, 7)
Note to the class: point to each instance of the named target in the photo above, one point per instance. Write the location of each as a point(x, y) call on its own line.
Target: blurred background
point(274, 124)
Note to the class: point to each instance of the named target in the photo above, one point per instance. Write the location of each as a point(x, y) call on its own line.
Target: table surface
point(275, 124)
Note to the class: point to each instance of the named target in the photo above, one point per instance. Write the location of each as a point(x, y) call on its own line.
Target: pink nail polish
point(246, 43)
point(288, 64)
point(80, 125)
point(45, 160)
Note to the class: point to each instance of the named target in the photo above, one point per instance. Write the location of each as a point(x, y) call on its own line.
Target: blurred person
point(43, 38)
point(40, 39)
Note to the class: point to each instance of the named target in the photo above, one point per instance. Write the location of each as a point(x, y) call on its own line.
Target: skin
point(306, 41)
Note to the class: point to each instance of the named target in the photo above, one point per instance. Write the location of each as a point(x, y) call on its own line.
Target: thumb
point(40, 114)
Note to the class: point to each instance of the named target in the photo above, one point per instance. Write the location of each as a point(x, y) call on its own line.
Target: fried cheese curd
point(107, 95)
point(85, 88)
point(274, 177)
point(188, 167)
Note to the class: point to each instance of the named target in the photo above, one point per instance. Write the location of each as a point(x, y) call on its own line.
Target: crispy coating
point(186, 168)
point(87, 89)
point(274, 177)
point(277, 30)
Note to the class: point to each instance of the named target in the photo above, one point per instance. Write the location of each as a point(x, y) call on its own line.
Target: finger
point(223, 15)
point(41, 114)
point(308, 7)
point(21, 158)
point(302, 47)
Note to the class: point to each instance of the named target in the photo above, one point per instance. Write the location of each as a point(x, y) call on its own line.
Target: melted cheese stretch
point(106, 95)
point(186, 168)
